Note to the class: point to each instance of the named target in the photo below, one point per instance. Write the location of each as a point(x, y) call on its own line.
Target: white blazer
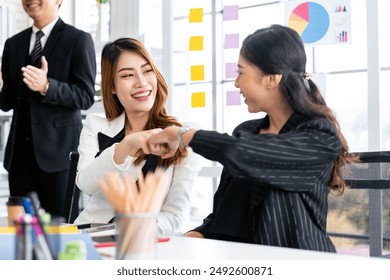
point(91, 169)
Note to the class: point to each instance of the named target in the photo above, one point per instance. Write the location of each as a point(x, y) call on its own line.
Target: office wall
point(14, 19)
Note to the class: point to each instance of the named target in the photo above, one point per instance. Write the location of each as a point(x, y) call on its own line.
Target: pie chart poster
point(320, 22)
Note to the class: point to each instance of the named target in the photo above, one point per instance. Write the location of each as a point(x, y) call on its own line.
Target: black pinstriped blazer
point(273, 189)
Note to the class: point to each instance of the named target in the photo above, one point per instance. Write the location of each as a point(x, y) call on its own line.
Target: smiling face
point(41, 11)
point(253, 86)
point(135, 83)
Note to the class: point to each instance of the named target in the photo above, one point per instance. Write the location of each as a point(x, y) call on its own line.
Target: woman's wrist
point(180, 133)
point(185, 135)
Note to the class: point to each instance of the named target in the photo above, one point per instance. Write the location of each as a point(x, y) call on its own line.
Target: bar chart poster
point(320, 22)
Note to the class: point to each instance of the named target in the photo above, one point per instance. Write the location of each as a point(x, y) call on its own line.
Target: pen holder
point(136, 236)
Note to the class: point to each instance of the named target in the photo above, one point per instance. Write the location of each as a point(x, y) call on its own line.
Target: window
point(212, 100)
point(340, 70)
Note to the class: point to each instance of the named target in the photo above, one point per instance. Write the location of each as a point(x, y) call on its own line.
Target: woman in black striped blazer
point(278, 170)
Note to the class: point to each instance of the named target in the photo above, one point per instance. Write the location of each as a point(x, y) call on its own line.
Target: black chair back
point(72, 196)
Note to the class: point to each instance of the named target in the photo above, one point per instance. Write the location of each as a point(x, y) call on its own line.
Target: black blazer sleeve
point(72, 68)
point(289, 160)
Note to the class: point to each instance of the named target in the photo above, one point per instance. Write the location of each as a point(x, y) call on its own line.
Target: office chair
point(372, 173)
point(72, 195)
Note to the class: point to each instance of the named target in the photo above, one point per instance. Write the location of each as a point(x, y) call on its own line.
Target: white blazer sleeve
point(177, 201)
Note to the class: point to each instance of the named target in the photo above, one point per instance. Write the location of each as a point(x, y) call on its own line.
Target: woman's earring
point(268, 87)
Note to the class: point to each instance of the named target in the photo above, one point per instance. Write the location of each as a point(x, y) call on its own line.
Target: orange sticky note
point(198, 99)
point(197, 73)
point(196, 43)
point(196, 15)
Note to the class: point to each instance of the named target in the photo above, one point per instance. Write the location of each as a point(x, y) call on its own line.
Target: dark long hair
point(279, 50)
point(113, 108)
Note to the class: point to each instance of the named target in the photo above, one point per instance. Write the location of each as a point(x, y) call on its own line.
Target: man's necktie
point(36, 53)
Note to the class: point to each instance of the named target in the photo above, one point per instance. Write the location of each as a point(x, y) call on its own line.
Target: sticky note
point(232, 41)
point(197, 73)
point(196, 43)
point(230, 12)
point(196, 15)
point(231, 70)
point(233, 97)
point(198, 99)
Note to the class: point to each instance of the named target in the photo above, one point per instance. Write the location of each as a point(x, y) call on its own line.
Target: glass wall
point(384, 63)
point(340, 70)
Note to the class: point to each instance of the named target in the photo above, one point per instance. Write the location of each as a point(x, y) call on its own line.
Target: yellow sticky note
point(196, 15)
point(196, 43)
point(198, 99)
point(197, 73)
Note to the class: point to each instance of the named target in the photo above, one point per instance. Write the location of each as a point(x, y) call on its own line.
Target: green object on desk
point(74, 250)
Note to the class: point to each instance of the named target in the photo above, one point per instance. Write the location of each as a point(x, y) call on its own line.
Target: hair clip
point(307, 76)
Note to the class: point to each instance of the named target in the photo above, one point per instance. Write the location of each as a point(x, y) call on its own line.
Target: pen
point(28, 236)
point(36, 206)
point(41, 247)
point(26, 202)
point(46, 218)
point(23, 238)
point(98, 228)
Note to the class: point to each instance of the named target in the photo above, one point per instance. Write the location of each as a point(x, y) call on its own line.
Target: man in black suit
point(46, 96)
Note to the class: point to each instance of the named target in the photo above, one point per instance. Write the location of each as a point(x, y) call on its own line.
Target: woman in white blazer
point(134, 94)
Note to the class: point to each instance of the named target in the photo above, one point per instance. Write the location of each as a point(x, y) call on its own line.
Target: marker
point(24, 246)
point(46, 218)
point(41, 248)
point(26, 202)
point(37, 209)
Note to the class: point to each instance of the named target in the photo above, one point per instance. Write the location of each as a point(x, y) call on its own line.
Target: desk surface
point(187, 248)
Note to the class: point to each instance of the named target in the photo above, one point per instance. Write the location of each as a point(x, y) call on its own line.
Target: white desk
point(187, 248)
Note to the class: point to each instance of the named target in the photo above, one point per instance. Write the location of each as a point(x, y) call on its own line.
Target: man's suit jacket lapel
point(24, 47)
point(51, 41)
point(21, 60)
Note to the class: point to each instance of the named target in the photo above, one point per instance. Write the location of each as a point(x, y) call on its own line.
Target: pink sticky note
point(230, 12)
point(233, 97)
point(231, 70)
point(232, 41)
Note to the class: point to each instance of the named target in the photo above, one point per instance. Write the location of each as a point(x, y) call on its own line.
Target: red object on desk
point(105, 244)
point(163, 239)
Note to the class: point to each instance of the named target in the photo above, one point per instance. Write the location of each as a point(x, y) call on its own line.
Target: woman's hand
point(166, 138)
point(139, 141)
point(196, 234)
point(133, 142)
